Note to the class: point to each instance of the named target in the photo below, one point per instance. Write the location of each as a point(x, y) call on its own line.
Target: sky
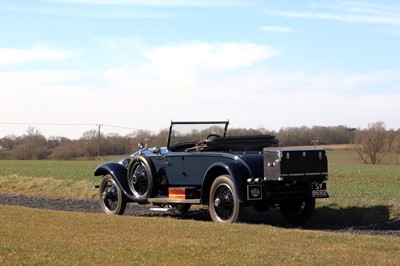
point(67, 66)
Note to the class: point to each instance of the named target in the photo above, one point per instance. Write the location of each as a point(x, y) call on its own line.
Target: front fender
point(119, 173)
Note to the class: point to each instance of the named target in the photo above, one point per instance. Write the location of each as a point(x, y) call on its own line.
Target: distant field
point(329, 147)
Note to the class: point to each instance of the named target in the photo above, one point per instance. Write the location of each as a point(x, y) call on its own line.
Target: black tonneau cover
point(235, 143)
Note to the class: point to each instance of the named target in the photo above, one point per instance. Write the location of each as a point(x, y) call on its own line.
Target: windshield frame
point(195, 125)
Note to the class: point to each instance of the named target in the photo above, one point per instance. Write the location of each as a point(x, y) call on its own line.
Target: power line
point(130, 128)
point(46, 124)
point(72, 124)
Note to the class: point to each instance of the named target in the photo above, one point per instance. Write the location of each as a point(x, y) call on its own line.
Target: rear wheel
point(297, 212)
point(224, 206)
point(140, 178)
point(111, 199)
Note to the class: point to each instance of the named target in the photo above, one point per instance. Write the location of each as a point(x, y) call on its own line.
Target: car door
point(186, 168)
point(173, 166)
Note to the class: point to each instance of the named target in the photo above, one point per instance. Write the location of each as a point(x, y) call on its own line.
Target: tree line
point(372, 144)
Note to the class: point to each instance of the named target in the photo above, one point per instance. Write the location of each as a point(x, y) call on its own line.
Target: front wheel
point(297, 212)
point(111, 199)
point(224, 205)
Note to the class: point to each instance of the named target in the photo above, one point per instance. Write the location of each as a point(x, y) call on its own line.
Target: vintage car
point(201, 164)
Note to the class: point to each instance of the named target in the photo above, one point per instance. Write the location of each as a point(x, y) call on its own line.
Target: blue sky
point(140, 64)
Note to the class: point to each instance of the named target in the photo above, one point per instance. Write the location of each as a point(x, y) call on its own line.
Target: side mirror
point(140, 145)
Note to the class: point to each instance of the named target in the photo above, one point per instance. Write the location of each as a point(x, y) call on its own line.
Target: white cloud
point(351, 12)
point(210, 56)
point(182, 69)
point(12, 56)
point(373, 19)
point(276, 29)
point(159, 3)
point(362, 8)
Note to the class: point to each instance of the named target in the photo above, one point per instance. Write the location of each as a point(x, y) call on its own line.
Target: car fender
point(119, 174)
point(238, 172)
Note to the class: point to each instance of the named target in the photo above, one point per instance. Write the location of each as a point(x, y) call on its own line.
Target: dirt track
point(201, 214)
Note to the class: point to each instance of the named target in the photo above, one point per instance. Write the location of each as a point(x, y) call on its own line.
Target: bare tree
point(91, 141)
point(68, 150)
point(32, 146)
point(393, 147)
point(371, 143)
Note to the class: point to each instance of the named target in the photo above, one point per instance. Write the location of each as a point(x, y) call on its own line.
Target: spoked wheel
point(111, 199)
point(297, 212)
point(224, 206)
point(140, 178)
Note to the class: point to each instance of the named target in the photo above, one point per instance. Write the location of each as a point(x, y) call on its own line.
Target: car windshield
point(194, 131)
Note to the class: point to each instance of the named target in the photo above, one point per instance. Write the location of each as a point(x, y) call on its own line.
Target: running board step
point(177, 201)
point(161, 209)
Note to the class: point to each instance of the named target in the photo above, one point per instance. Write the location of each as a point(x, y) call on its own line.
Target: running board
point(161, 209)
point(174, 201)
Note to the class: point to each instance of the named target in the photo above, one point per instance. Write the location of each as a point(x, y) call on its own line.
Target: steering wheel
point(213, 136)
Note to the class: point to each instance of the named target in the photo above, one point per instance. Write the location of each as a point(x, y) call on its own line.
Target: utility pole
point(315, 142)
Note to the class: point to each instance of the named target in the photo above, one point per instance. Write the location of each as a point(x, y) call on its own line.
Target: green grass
point(374, 182)
point(63, 179)
point(356, 185)
point(36, 237)
point(74, 170)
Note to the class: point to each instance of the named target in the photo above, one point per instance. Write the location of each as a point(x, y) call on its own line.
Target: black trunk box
point(295, 164)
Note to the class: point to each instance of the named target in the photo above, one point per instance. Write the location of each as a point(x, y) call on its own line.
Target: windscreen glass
point(194, 132)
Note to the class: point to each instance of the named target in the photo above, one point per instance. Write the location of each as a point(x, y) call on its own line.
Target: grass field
point(62, 179)
point(37, 237)
point(360, 194)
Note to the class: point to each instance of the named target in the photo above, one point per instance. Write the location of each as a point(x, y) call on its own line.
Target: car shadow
point(331, 218)
point(327, 217)
point(370, 220)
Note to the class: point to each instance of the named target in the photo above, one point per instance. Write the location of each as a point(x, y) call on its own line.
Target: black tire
point(224, 206)
point(112, 201)
point(140, 178)
point(297, 212)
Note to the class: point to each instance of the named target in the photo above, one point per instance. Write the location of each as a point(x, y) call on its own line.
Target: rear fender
point(238, 173)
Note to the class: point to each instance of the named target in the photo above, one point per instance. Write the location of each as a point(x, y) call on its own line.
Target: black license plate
point(318, 190)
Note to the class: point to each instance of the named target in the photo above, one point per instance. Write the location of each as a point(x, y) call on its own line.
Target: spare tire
point(141, 177)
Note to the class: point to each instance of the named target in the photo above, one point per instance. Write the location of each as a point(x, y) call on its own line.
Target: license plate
point(318, 190)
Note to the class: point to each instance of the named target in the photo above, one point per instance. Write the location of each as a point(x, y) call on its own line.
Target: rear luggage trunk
point(295, 165)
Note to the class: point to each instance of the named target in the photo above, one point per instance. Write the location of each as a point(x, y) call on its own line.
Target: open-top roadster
point(201, 164)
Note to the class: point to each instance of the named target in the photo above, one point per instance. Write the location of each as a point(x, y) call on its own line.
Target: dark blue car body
point(224, 172)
